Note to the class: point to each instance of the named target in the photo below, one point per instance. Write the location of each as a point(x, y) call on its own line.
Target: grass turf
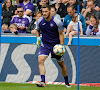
point(24, 86)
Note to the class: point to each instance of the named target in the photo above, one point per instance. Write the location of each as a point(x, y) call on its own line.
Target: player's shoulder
point(57, 21)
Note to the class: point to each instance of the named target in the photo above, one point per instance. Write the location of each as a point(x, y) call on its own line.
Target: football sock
point(43, 78)
point(66, 79)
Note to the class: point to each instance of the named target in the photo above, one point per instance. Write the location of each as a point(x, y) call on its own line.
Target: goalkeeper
point(52, 33)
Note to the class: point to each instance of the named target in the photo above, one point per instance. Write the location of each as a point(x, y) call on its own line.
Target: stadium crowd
point(24, 16)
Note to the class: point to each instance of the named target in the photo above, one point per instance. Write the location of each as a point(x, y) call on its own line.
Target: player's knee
point(40, 61)
point(61, 64)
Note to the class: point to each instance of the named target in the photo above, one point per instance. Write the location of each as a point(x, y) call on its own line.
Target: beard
point(47, 16)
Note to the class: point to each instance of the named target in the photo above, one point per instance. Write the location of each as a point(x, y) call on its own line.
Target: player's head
point(46, 11)
point(20, 11)
point(71, 10)
point(38, 14)
point(94, 20)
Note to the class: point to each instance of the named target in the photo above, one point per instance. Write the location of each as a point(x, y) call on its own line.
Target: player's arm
point(37, 33)
point(61, 37)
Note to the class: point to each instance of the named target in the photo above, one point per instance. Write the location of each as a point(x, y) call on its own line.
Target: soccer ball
point(59, 49)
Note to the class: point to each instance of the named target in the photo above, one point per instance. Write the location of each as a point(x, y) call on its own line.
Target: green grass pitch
point(28, 86)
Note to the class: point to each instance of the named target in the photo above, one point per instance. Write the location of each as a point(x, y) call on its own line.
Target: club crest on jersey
point(51, 25)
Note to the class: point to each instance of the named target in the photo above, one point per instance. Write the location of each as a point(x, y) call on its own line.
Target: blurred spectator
point(41, 3)
point(13, 28)
point(93, 28)
point(68, 18)
point(75, 3)
point(7, 12)
point(32, 25)
point(65, 2)
point(53, 2)
point(97, 5)
point(28, 8)
point(96, 2)
point(60, 8)
point(90, 10)
point(73, 28)
point(84, 3)
point(4, 28)
point(53, 13)
point(19, 1)
point(21, 20)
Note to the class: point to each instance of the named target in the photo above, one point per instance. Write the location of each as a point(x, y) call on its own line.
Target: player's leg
point(41, 60)
point(43, 54)
point(60, 60)
point(64, 72)
point(63, 68)
point(71, 36)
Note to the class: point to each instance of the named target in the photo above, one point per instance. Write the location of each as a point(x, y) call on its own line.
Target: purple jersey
point(29, 6)
point(20, 22)
point(50, 31)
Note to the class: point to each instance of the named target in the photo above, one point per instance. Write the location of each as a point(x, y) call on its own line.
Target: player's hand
point(38, 41)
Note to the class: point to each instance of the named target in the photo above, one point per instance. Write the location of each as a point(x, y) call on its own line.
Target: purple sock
point(66, 79)
point(43, 78)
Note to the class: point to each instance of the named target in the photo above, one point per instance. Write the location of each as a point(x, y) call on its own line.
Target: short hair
point(20, 7)
point(53, 7)
point(71, 6)
point(38, 12)
point(13, 26)
point(91, 1)
point(46, 6)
